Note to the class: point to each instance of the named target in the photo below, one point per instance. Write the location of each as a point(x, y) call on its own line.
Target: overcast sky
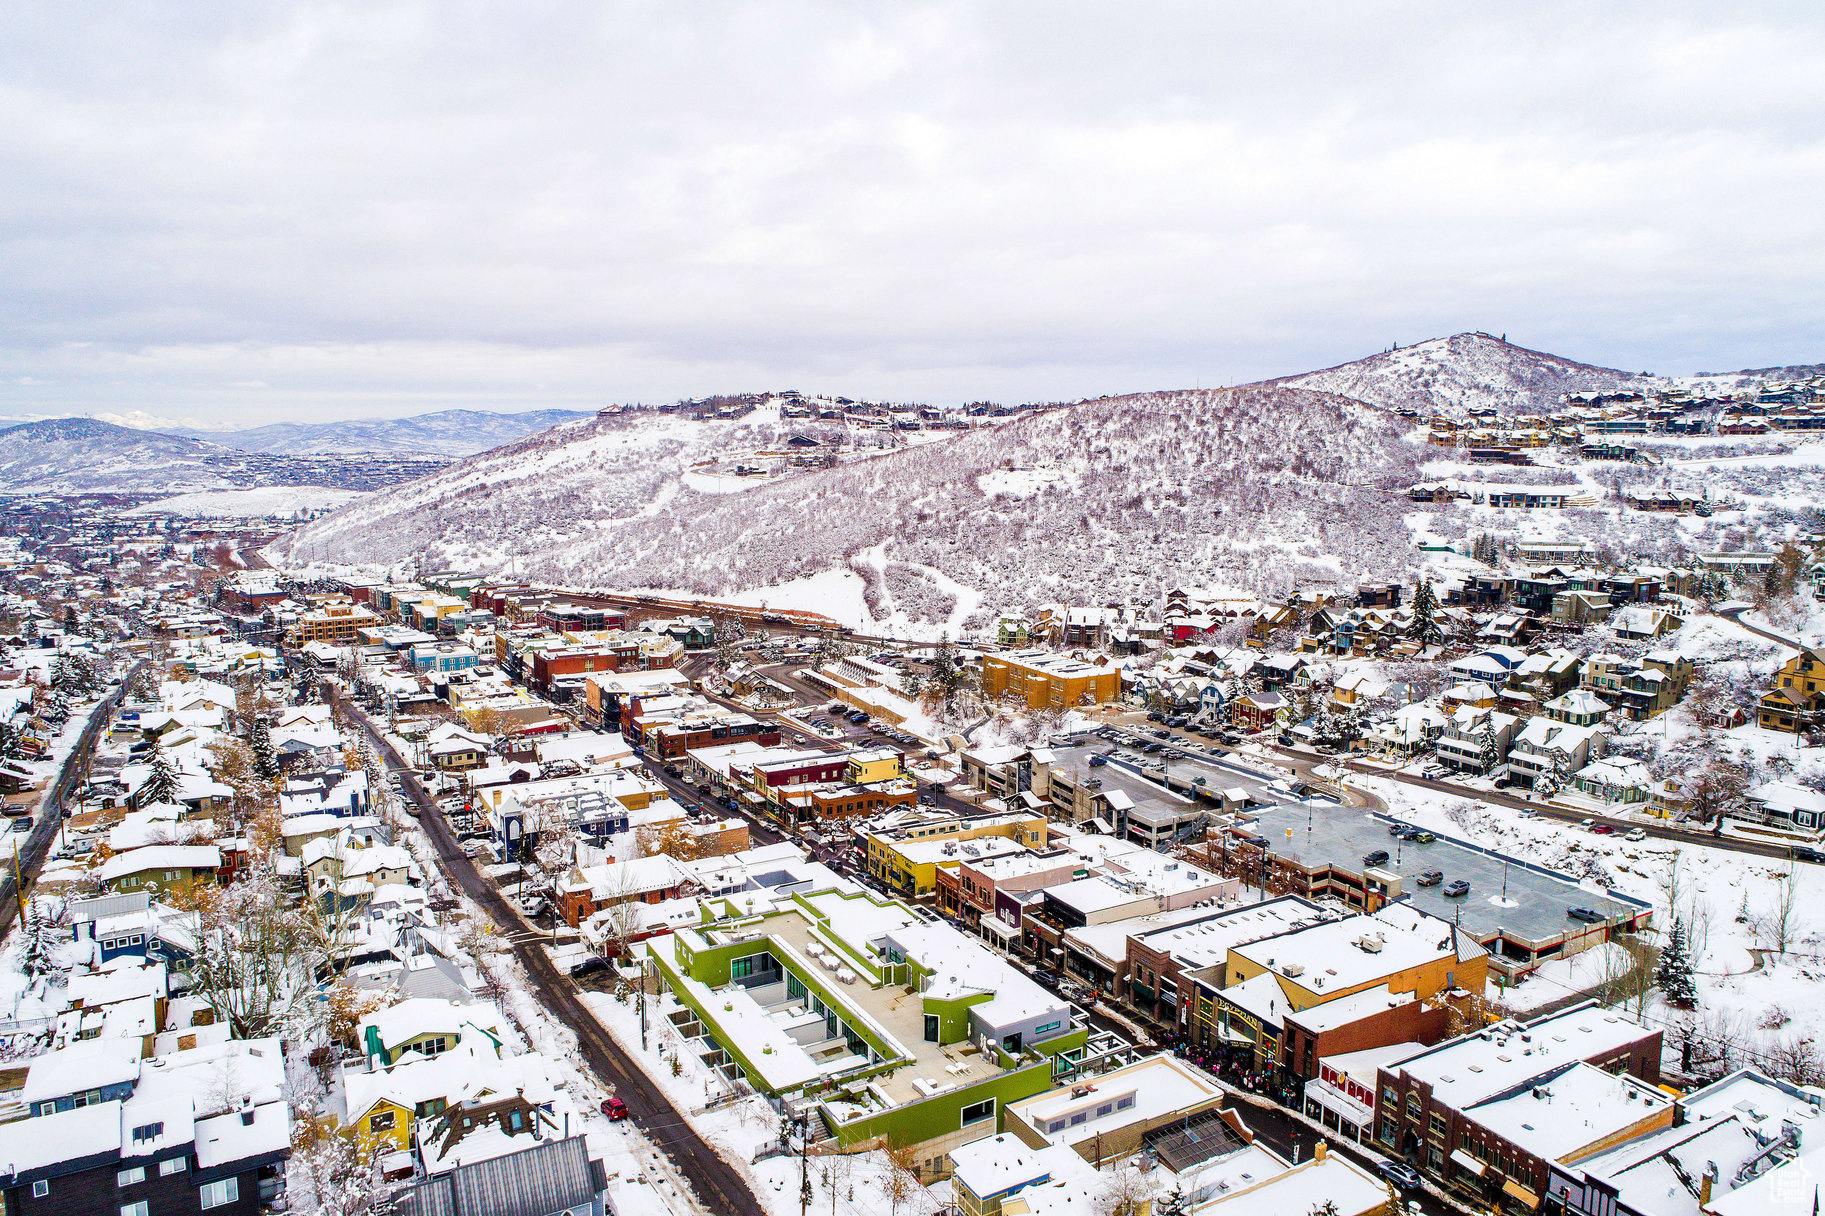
point(239, 213)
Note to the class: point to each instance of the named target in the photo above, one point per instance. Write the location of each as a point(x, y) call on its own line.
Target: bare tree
point(1125, 1191)
point(1777, 925)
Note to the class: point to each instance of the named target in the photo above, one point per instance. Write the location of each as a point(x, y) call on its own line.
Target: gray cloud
point(309, 210)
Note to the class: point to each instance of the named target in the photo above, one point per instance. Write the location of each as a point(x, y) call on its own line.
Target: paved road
point(1568, 815)
point(50, 807)
point(1735, 616)
point(719, 1187)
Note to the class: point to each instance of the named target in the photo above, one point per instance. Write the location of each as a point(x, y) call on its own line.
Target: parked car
point(1457, 888)
point(1395, 829)
point(1807, 853)
point(1376, 858)
point(1589, 916)
point(1400, 1174)
point(1422, 838)
point(589, 966)
point(1431, 878)
point(615, 1109)
point(1603, 829)
point(1636, 834)
point(1098, 761)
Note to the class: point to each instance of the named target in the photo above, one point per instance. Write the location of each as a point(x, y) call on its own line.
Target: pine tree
point(36, 957)
point(1673, 974)
point(265, 760)
point(161, 784)
point(1424, 627)
point(1490, 753)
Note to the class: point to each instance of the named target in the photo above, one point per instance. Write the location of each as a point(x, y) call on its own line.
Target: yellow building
point(1042, 679)
point(1399, 946)
point(335, 624)
point(880, 764)
point(907, 858)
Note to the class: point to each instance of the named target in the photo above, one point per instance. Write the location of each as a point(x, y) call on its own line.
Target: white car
point(1636, 834)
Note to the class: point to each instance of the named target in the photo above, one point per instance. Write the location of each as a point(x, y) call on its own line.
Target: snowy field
point(258, 503)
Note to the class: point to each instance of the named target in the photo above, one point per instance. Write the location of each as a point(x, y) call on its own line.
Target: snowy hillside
point(1082, 503)
point(78, 454)
point(446, 433)
point(1465, 371)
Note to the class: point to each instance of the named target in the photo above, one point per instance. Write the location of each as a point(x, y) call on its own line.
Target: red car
point(615, 1109)
point(1602, 829)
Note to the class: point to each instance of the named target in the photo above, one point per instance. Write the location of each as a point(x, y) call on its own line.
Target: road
point(1569, 815)
point(1735, 617)
point(50, 807)
point(718, 1186)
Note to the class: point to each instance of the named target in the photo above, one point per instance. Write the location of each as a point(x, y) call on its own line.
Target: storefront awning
point(1469, 1163)
point(1515, 1189)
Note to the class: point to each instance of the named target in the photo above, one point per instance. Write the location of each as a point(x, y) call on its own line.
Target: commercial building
point(1042, 679)
point(893, 1028)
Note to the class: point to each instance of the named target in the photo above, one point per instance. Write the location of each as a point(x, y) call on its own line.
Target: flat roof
point(1537, 898)
point(1156, 1086)
point(1573, 1110)
point(1204, 940)
point(1344, 954)
point(1476, 1067)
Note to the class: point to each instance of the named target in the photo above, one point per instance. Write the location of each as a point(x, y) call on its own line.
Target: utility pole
point(642, 999)
point(804, 1166)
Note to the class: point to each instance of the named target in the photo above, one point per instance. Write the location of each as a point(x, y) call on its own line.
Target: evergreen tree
point(161, 784)
point(1673, 974)
point(1490, 752)
point(1552, 780)
point(36, 958)
point(69, 618)
point(1424, 627)
point(265, 759)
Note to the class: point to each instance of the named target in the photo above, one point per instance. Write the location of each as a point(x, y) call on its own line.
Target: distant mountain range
point(87, 455)
point(445, 433)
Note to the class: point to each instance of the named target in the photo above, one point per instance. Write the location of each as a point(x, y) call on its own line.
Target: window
point(1078, 1116)
point(170, 1166)
point(40, 1189)
point(742, 968)
point(1048, 1028)
point(140, 1208)
point(1107, 1108)
point(931, 1028)
point(1124, 1102)
point(148, 1131)
point(218, 1194)
point(1056, 1125)
point(976, 1112)
point(135, 940)
point(382, 1122)
point(516, 1120)
point(129, 1177)
point(435, 1047)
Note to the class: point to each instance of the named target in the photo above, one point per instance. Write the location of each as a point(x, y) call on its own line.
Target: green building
point(895, 1028)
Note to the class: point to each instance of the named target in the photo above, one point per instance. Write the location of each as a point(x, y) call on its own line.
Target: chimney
point(1318, 1150)
point(1704, 1192)
point(246, 1111)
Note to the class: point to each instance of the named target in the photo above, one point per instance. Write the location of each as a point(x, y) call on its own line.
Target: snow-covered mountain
point(1259, 485)
point(72, 455)
point(87, 455)
point(445, 433)
point(1466, 371)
